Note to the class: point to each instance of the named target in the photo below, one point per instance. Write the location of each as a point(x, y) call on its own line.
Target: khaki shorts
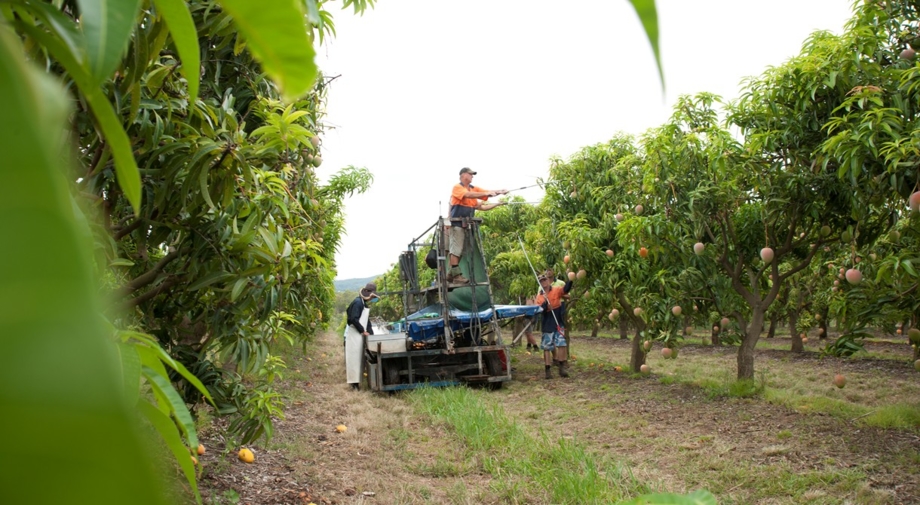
point(457, 237)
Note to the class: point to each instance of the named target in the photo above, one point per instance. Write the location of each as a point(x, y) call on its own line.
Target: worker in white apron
point(356, 328)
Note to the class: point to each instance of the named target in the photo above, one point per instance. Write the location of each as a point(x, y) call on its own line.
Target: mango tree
point(750, 207)
point(609, 222)
point(222, 203)
point(871, 142)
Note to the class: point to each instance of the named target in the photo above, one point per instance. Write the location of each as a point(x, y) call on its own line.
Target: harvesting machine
point(451, 333)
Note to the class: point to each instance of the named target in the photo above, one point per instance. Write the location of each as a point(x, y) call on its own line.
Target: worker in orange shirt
point(555, 348)
point(465, 200)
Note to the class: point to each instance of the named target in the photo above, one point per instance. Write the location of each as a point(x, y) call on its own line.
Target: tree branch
point(168, 283)
point(151, 275)
point(120, 234)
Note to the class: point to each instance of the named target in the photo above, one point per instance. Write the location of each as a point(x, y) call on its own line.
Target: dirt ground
point(670, 434)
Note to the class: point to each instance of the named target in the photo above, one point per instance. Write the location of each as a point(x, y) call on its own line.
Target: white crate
point(389, 342)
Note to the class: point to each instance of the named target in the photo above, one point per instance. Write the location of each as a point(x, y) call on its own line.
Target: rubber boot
point(549, 372)
point(563, 366)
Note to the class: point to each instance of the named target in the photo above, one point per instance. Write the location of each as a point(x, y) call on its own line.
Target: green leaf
point(238, 288)
point(648, 14)
point(130, 372)
point(185, 36)
point(270, 241)
point(129, 178)
point(121, 262)
point(203, 185)
point(62, 26)
point(176, 404)
point(153, 354)
point(168, 432)
point(59, 362)
point(107, 26)
point(276, 35)
point(209, 279)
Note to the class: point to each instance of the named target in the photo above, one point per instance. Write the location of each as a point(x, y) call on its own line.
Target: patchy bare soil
point(673, 435)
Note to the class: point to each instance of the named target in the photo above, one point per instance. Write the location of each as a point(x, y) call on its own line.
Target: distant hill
point(352, 284)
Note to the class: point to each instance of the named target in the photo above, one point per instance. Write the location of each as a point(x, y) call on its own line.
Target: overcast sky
point(427, 87)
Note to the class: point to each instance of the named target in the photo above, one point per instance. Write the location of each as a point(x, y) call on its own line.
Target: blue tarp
point(507, 311)
point(428, 323)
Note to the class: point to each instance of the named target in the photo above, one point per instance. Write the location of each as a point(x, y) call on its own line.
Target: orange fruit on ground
point(620, 369)
point(246, 456)
point(840, 380)
point(341, 428)
point(201, 449)
point(645, 369)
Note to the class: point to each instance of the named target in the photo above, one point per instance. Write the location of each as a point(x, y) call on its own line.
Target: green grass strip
point(564, 468)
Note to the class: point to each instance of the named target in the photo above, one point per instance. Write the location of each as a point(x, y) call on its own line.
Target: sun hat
point(369, 290)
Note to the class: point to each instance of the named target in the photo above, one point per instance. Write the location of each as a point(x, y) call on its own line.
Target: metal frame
point(419, 367)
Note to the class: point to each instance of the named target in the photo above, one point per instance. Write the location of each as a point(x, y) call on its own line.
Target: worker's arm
point(482, 193)
point(354, 312)
point(490, 206)
point(541, 300)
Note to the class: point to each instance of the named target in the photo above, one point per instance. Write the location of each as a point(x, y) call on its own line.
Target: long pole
point(532, 269)
point(524, 187)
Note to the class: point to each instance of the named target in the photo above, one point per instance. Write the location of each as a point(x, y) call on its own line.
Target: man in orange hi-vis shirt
point(465, 199)
point(555, 348)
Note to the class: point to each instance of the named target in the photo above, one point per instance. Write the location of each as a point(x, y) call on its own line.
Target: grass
point(563, 468)
point(601, 436)
point(872, 399)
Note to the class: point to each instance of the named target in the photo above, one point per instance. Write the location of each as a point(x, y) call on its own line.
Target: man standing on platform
point(465, 200)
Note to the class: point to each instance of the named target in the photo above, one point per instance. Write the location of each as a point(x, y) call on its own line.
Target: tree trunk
point(794, 336)
point(716, 329)
point(748, 343)
point(772, 331)
point(822, 324)
point(637, 355)
point(597, 323)
point(624, 328)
